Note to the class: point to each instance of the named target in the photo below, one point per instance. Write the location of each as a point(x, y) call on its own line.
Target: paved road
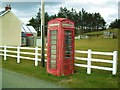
point(12, 79)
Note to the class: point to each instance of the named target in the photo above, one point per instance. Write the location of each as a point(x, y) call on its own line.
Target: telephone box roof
point(61, 19)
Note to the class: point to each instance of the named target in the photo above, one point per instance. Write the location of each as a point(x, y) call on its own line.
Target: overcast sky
point(25, 10)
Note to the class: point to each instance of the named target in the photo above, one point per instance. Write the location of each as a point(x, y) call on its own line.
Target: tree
point(32, 22)
point(36, 22)
point(84, 21)
point(63, 12)
point(115, 24)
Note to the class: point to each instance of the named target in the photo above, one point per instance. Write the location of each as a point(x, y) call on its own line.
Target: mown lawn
point(80, 79)
point(97, 44)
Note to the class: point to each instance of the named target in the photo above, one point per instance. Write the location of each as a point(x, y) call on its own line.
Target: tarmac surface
point(12, 79)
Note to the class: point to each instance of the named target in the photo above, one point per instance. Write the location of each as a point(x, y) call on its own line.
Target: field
point(101, 32)
point(97, 44)
point(80, 79)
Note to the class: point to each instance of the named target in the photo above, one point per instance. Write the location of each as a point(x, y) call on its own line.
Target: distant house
point(10, 28)
point(82, 37)
point(28, 35)
point(108, 34)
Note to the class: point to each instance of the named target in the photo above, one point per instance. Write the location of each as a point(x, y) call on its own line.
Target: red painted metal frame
point(28, 34)
point(61, 60)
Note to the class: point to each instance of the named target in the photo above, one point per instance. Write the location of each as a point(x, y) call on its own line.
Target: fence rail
point(4, 51)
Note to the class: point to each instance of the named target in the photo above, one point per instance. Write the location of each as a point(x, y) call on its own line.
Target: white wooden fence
point(89, 60)
point(5, 50)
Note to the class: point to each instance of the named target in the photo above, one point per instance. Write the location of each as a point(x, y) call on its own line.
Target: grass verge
point(80, 79)
point(98, 78)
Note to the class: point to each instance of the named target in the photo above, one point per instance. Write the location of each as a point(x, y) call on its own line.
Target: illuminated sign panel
point(54, 24)
point(67, 25)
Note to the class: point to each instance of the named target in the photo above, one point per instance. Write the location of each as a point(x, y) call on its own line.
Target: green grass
point(97, 44)
point(80, 79)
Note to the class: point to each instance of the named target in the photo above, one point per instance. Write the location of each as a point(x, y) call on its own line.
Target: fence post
point(114, 63)
point(36, 56)
point(5, 52)
point(89, 62)
point(18, 54)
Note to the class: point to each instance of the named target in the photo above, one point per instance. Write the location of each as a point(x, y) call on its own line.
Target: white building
point(10, 28)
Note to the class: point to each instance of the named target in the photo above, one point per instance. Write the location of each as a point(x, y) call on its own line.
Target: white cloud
point(52, 9)
point(24, 14)
point(0, 5)
point(25, 20)
point(87, 1)
point(107, 8)
point(106, 12)
point(31, 0)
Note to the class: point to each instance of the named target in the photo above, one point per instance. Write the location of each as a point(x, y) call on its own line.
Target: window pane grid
point(53, 48)
point(68, 44)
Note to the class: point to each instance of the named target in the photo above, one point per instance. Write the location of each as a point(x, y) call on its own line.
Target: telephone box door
point(52, 53)
point(68, 61)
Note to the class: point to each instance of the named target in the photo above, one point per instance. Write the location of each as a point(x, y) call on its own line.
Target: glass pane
point(53, 47)
point(53, 51)
point(53, 37)
point(53, 56)
point(53, 42)
point(53, 32)
point(68, 42)
point(68, 37)
point(68, 52)
point(53, 66)
point(68, 48)
point(53, 61)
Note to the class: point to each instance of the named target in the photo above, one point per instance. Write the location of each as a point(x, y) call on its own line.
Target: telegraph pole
point(42, 34)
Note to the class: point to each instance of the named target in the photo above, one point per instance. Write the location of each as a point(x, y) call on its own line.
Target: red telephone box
point(60, 49)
